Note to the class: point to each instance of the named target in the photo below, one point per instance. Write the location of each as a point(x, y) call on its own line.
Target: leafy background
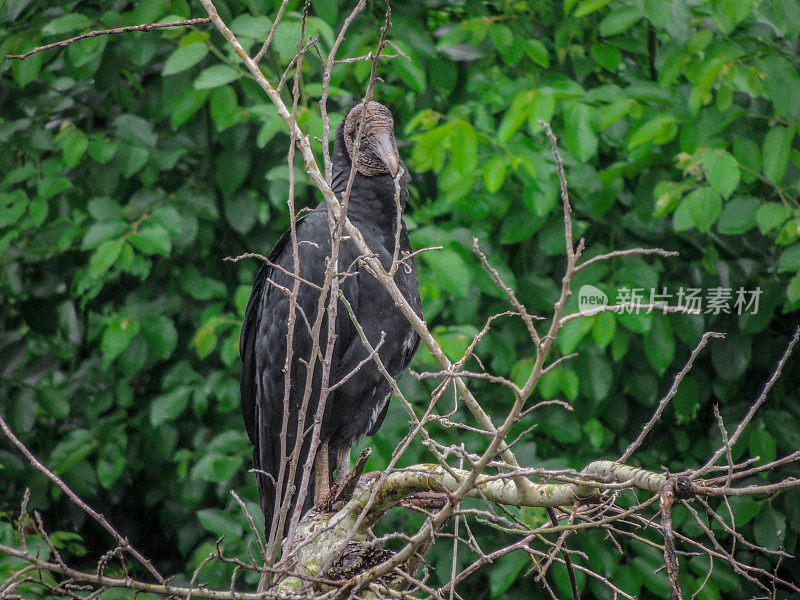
point(132, 165)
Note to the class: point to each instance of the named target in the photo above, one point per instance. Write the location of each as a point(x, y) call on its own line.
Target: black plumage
point(358, 406)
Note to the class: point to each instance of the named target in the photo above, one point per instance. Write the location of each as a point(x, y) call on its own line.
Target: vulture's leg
point(322, 482)
point(342, 463)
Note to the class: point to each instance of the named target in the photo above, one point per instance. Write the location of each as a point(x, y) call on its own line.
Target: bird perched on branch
point(279, 405)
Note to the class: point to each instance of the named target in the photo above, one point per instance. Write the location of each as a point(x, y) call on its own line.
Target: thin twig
point(115, 30)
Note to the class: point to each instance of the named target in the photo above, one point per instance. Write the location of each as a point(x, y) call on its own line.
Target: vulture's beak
point(385, 149)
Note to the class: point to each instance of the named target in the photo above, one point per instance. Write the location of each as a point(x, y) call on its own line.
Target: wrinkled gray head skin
point(377, 152)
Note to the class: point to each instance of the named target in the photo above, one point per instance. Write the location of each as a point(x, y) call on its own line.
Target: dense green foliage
point(132, 165)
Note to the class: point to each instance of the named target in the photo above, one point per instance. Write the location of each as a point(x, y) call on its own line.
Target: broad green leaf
point(74, 146)
point(117, 336)
point(537, 52)
point(659, 344)
point(515, 116)
point(188, 103)
point(105, 256)
point(102, 150)
point(72, 449)
point(772, 215)
point(782, 86)
point(494, 173)
point(224, 107)
point(26, 71)
point(135, 130)
point(12, 207)
point(705, 206)
point(103, 208)
point(789, 259)
point(205, 340)
point(608, 57)
point(220, 524)
point(587, 7)
point(722, 171)
point(38, 209)
point(66, 24)
point(605, 324)
point(169, 406)
point(505, 571)
point(184, 57)
point(215, 76)
point(161, 335)
point(464, 146)
point(152, 239)
point(738, 216)
point(776, 149)
point(658, 130)
point(620, 20)
point(254, 27)
point(99, 232)
point(451, 272)
point(572, 333)
point(412, 75)
point(579, 136)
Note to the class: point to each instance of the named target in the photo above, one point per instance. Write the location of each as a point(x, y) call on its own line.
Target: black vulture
point(358, 406)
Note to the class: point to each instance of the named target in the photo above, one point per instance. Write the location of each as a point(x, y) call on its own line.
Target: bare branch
point(115, 30)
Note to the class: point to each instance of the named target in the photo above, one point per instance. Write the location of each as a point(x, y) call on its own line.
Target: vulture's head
point(377, 151)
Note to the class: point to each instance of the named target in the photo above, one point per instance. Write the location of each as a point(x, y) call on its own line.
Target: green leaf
point(789, 260)
point(505, 571)
point(185, 57)
point(135, 131)
point(240, 211)
point(738, 216)
point(537, 52)
point(26, 71)
point(160, 334)
point(105, 256)
point(775, 153)
point(772, 215)
point(412, 75)
point(103, 208)
point(515, 116)
point(152, 239)
point(494, 173)
point(464, 146)
point(597, 376)
point(38, 209)
point(704, 206)
point(620, 20)
point(65, 24)
point(215, 76)
point(659, 343)
point(117, 337)
point(451, 272)
point(587, 7)
point(658, 130)
point(722, 171)
point(130, 159)
point(579, 136)
point(188, 103)
point(782, 86)
point(99, 232)
point(572, 333)
point(205, 340)
point(102, 150)
point(169, 406)
point(220, 523)
point(608, 57)
point(74, 146)
point(605, 324)
point(72, 449)
point(224, 107)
